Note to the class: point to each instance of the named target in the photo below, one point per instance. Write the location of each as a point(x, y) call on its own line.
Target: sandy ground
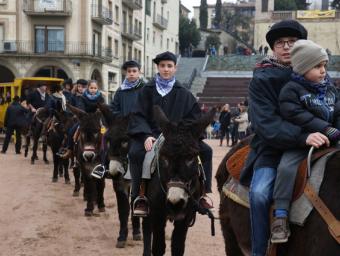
point(41, 218)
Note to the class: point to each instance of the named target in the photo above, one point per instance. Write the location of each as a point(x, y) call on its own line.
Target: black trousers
point(136, 158)
point(9, 133)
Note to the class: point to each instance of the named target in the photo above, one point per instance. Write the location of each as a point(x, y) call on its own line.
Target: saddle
point(236, 162)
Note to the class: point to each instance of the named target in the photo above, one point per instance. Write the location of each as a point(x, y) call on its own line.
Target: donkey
point(176, 186)
point(87, 152)
point(56, 136)
point(36, 129)
point(117, 141)
point(313, 239)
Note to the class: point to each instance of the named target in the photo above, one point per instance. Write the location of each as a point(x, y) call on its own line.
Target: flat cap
point(165, 56)
point(130, 64)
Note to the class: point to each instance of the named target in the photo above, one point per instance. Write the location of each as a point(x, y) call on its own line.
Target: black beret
point(41, 84)
point(55, 88)
point(165, 56)
point(285, 28)
point(68, 81)
point(82, 81)
point(130, 64)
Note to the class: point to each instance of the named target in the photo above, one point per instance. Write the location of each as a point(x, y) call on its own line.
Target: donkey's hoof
point(32, 161)
point(101, 209)
point(88, 213)
point(36, 158)
point(26, 153)
point(54, 180)
point(137, 237)
point(46, 161)
point(67, 182)
point(120, 244)
point(75, 193)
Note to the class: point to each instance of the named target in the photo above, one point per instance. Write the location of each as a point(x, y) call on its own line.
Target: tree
point(204, 14)
point(213, 40)
point(218, 14)
point(301, 4)
point(188, 34)
point(336, 4)
point(285, 5)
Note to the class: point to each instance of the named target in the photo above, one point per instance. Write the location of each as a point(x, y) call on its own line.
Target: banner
point(315, 14)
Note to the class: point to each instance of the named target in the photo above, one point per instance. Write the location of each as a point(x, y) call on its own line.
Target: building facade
point(324, 30)
point(87, 39)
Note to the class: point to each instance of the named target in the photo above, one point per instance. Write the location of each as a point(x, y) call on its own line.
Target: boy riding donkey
point(273, 134)
point(178, 104)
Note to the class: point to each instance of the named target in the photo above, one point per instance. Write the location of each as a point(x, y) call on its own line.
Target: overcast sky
point(190, 3)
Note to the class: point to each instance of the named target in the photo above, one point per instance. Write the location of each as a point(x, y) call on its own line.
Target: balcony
point(133, 4)
point(81, 50)
point(160, 22)
point(57, 8)
point(131, 33)
point(283, 15)
point(101, 14)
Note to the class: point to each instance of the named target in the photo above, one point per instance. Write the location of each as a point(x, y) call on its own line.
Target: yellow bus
point(21, 87)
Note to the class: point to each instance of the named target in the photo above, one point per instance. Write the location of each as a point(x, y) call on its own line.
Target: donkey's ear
point(161, 118)
point(76, 111)
point(107, 114)
point(201, 124)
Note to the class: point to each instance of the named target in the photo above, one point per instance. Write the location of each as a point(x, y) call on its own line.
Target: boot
point(280, 230)
point(67, 154)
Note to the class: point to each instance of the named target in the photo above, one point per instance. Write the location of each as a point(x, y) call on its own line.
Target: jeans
point(9, 133)
point(261, 195)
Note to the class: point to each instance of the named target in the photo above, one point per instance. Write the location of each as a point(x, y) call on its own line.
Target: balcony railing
point(133, 4)
point(101, 14)
point(39, 8)
point(160, 22)
point(131, 33)
point(283, 15)
point(56, 49)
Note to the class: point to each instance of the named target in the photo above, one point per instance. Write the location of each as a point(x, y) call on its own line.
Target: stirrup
point(140, 213)
point(98, 171)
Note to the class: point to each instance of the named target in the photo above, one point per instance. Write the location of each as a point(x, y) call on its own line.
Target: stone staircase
point(221, 90)
point(186, 66)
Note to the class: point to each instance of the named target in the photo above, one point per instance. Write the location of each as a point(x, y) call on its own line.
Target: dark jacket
point(273, 134)
point(16, 116)
point(301, 107)
point(54, 104)
point(88, 105)
point(35, 100)
point(124, 100)
point(224, 119)
point(69, 97)
point(177, 105)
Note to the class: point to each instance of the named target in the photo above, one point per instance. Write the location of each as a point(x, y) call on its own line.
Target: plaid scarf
point(126, 85)
point(164, 86)
point(271, 61)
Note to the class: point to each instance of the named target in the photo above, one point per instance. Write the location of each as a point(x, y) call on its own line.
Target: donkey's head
point(117, 141)
point(89, 134)
point(178, 159)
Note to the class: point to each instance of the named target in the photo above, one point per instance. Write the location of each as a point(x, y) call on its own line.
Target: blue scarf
point(89, 96)
point(128, 85)
point(319, 89)
point(164, 86)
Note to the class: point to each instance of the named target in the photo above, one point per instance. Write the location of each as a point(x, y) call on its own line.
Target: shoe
point(3, 152)
point(67, 154)
point(98, 171)
point(18, 152)
point(61, 152)
point(205, 204)
point(140, 207)
point(280, 230)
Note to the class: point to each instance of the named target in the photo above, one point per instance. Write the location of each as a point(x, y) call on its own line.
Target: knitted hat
point(305, 55)
point(285, 28)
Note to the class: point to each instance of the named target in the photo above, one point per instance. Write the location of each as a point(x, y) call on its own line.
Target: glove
point(332, 133)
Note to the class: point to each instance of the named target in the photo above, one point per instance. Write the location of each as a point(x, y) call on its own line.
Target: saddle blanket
point(300, 209)
point(150, 160)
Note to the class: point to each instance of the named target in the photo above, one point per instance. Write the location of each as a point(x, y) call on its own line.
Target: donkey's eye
point(189, 162)
point(124, 144)
point(165, 161)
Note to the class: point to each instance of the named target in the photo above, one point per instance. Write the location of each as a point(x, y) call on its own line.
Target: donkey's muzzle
point(89, 155)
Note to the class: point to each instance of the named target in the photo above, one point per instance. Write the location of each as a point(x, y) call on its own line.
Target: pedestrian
point(266, 48)
point(190, 48)
point(273, 134)
point(234, 113)
point(242, 121)
point(177, 104)
point(310, 101)
point(15, 121)
point(261, 50)
point(67, 90)
point(224, 119)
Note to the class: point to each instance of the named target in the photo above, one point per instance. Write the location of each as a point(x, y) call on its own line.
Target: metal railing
point(102, 14)
point(282, 15)
point(56, 49)
point(133, 4)
point(187, 84)
point(131, 32)
point(58, 7)
point(160, 21)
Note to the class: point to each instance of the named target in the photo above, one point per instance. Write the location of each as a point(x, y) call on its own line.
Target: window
point(139, 57)
point(109, 45)
point(95, 43)
point(124, 52)
point(49, 39)
point(167, 43)
point(2, 32)
point(130, 53)
point(147, 34)
point(147, 66)
point(112, 77)
point(154, 37)
point(264, 6)
point(136, 27)
point(161, 43)
point(117, 14)
point(140, 28)
point(136, 54)
point(116, 48)
point(124, 21)
point(148, 7)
